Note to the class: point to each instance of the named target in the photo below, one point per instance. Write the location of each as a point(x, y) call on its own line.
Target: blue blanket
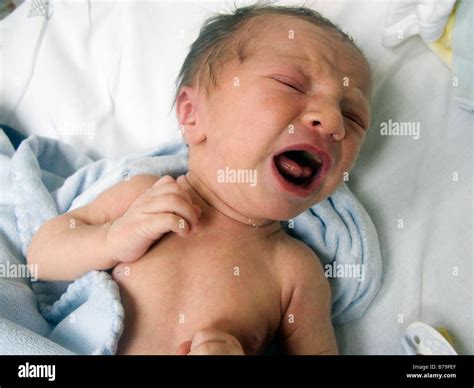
point(44, 177)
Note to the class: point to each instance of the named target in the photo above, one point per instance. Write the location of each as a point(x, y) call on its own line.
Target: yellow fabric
point(446, 334)
point(442, 46)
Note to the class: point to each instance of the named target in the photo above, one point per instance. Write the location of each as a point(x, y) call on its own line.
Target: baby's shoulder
point(295, 258)
point(299, 268)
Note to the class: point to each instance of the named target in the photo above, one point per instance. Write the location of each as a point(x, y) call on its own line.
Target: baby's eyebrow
point(353, 97)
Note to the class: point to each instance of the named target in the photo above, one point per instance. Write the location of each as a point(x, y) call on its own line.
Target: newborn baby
point(273, 103)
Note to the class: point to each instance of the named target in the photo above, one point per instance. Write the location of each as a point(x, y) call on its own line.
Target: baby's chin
point(279, 210)
point(282, 206)
point(278, 202)
point(264, 202)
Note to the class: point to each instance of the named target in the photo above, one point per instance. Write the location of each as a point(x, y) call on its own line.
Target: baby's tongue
point(290, 167)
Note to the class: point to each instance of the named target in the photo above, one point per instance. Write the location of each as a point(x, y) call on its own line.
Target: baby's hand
point(211, 342)
point(164, 207)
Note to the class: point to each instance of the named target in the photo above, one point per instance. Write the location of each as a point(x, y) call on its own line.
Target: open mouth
point(298, 167)
point(301, 169)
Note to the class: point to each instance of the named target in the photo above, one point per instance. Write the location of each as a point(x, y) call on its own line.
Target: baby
point(278, 94)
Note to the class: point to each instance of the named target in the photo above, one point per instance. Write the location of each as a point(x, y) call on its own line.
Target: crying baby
point(273, 103)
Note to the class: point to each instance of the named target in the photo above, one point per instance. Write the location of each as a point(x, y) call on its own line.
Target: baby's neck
point(215, 208)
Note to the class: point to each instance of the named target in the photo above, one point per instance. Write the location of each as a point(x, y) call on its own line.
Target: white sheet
point(107, 70)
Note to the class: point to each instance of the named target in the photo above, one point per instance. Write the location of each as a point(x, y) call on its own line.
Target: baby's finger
point(197, 210)
point(215, 349)
point(163, 180)
point(155, 225)
point(171, 203)
point(212, 335)
point(184, 348)
point(170, 188)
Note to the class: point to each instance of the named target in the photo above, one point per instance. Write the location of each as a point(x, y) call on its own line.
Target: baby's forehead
point(289, 29)
point(294, 36)
point(304, 44)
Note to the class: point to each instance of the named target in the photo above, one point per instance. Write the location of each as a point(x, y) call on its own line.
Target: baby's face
point(284, 127)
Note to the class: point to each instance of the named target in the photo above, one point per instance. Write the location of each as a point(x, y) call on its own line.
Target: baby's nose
point(328, 122)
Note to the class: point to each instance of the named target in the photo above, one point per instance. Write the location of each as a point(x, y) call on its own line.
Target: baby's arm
point(306, 326)
point(119, 225)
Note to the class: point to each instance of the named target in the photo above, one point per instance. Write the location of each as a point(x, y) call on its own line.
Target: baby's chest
point(185, 287)
point(214, 274)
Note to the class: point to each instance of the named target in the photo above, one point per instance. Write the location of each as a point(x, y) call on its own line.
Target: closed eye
point(356, 121)
point(287, 82)
point(291, 86)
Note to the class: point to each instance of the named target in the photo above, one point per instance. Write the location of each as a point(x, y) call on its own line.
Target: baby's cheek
point(349, 152)
point(338, 173)
point(332, 182)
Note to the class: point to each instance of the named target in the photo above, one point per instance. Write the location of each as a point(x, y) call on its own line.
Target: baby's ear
point(186, 112)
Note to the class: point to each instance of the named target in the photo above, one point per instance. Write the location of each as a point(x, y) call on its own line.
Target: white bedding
point(101, 79)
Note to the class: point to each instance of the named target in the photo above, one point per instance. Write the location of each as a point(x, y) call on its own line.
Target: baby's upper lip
point(319, 155)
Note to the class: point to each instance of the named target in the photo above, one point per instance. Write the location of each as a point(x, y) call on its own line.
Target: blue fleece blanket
point(44, 177)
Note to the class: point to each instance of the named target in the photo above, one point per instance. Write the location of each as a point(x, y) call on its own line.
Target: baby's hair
point(223, 32)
